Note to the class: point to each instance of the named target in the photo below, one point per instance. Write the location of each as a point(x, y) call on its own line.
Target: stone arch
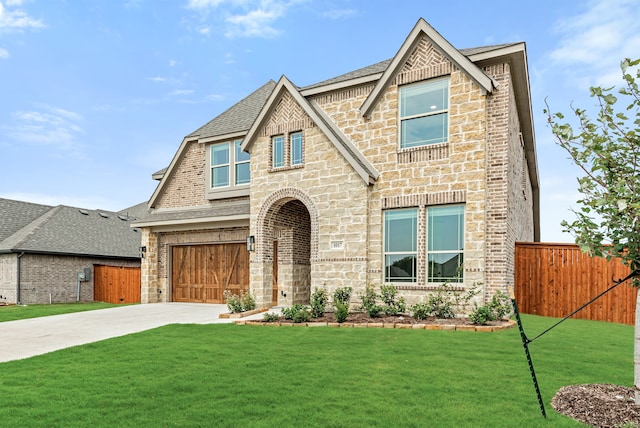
point(270, 207)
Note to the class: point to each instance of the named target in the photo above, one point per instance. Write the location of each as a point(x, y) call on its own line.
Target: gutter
point(18, 297)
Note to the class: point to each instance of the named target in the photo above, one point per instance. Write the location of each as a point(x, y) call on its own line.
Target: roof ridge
point(22, 235)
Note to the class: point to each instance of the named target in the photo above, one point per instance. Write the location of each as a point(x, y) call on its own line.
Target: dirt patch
point(598, 405)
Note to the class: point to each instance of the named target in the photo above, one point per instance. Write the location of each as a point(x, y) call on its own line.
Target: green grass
point(258, 376)
point(19, 312)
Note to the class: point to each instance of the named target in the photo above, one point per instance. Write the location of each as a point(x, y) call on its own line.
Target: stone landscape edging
point(458, 327)
point(242, 314)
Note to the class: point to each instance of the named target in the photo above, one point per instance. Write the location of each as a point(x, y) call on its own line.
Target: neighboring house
point(45, 251)
point(413, 171)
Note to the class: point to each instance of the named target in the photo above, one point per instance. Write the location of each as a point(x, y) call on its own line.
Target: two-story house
point(414, 171)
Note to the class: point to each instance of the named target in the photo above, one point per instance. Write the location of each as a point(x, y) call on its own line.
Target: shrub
point(445, 302)
point(481, 315)
point(392, 304)
point(297, 313)
point(342, 295)
point(319, 300)
point(341, 311)
point(497, 308)
point(248, 301)
point(369, 305)
point(421, 311)
point(500, 305)
point(270, 317)
point(235, 304)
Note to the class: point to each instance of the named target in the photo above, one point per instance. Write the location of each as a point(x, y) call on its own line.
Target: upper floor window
point(287, 151)
point(229, 165)
point(296, 148)
point(424, 113)
point(277, 149)
point(242, 164)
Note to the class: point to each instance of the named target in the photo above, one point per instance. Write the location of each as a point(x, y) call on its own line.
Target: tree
point(607, 149)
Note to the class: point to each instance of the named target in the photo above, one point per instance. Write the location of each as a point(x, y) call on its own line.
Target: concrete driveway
point(35, 336)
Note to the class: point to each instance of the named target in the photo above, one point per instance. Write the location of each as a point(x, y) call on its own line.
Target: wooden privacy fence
point(553, 280)
point(116, 284)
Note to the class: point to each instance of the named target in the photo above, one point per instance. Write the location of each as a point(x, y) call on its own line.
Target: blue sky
point(97, 95)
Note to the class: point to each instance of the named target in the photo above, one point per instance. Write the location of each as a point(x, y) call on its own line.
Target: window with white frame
point(445, 243)
point(400, 245)
point(243, 167)
point(229, 165)
point(296, 148)
point(424, 113)
point(277, 151)
point(220, 165)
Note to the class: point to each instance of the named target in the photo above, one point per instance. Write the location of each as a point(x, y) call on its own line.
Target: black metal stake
point(525, 345)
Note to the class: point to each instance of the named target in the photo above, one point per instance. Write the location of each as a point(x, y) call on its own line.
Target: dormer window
point(228, 174)
point(424, 113)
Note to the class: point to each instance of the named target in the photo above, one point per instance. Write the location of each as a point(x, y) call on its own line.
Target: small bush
point(319, 300)
point(248, 301)
point(421, 311)
point(497, 308)
point(242, 303)
point(481, 315)
point(342, 295)
point(392, 304)
point(270, 317)
point(369, 305)
point(297, 313)
point(500, 305)
point(341, 311)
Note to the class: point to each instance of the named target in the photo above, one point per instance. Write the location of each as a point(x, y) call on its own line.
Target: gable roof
point(42, 229)
point(232, 123)
point(422, 29)
point(361, 165)
point(239, 117)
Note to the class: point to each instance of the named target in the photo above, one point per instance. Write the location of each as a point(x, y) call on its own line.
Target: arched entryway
point(287, 242)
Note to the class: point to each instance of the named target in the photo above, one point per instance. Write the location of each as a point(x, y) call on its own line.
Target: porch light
point(251, 243)
point(143, 251)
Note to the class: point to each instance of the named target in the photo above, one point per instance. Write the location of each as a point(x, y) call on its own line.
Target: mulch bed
point(598, 405)
point(362, 319)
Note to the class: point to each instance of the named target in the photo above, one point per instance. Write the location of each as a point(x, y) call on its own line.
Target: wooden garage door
point(116, 284)
point(201, 273)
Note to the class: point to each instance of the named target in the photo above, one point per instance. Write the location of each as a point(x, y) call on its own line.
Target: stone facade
point(327, 222)
point(49, 278)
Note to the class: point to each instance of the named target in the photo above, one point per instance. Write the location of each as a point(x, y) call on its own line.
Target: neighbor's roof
point(33, 228)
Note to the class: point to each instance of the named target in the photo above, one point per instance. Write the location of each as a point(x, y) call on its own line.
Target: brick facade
point(49, 278)
point(328, 222)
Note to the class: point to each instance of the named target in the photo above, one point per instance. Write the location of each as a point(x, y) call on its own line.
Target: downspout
point(18, 297)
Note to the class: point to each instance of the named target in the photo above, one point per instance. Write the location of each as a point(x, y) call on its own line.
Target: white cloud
point(4, 54)
point(592, 43)
point(172, 63)
point(16, 19)
point(242, 18)
point(159, 79)
point(51, 126)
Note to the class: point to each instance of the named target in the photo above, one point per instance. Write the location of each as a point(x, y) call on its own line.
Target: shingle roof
point(221, 209)
point(239, 117)
point(14, 215)
point(381, 66)
point(66, 230)
point(135, 212)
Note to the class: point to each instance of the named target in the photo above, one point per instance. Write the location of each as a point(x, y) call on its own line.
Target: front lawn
point(264, 376)
point(19, 312)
